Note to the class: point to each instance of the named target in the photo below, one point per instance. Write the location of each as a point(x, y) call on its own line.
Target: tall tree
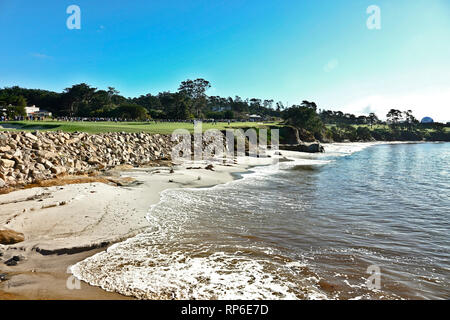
point(268, 104)
point(394, 116)
point(16, 106)
point(280, 106)
point(131, 112)
point(373, 119)
point(196, 91)
point(410, 120)
point(308, 104)
point(305, 117)
point(78, 96)
point(111, 93)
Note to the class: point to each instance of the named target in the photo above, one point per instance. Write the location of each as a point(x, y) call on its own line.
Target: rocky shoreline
point(31, 157)
point(28, 158)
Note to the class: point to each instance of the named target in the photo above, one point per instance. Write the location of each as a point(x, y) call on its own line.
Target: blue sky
point(283, 50)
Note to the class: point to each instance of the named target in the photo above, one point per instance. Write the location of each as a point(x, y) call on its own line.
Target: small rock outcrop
point(10, 237)
point(304, 147)
point(289, 135)
point(13, 261)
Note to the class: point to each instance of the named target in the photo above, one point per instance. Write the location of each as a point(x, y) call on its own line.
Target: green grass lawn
point(99, 127)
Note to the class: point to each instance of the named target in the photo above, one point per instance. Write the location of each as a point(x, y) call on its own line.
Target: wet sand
point(66, 224)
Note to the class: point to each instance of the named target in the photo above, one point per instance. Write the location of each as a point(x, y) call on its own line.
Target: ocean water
point(307, 229)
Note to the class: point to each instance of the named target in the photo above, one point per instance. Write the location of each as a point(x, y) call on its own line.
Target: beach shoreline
point(66, 224)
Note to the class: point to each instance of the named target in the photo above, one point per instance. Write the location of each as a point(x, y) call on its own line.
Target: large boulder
point(10, 237)
point(315, 148)
point(304, 147)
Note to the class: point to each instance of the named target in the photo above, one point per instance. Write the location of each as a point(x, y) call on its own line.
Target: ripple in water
point(307, 230)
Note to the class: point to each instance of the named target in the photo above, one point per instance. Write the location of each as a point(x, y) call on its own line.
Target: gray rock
point(315, 148)
point(7, 163)
point(48, 164)
point(304, 147)
point(13, 261)
point(31, 136)
point(55, 170)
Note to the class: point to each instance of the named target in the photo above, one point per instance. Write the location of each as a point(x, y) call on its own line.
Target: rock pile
point(27, 157)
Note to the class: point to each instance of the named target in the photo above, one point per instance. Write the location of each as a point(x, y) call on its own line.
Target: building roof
point(427, 120)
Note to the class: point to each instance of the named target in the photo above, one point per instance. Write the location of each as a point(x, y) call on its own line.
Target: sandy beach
point(63, 225)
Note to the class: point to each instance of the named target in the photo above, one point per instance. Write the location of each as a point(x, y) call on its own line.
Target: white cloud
point(331, 65)
point(432, 103)
point(40, 56)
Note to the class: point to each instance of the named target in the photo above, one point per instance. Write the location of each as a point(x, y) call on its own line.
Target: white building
point(31, 110)
point(254, 117)
point(34, 111)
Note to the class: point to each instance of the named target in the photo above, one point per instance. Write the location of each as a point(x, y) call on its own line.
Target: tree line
point(329, 126)
point(189, 102)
